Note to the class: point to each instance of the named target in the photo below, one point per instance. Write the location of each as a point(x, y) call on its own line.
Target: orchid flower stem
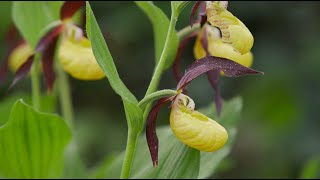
point(129, 155)
point(36, 99)
point(159, 68)
point(65, 96)
point(132, 137)
point(188, 30)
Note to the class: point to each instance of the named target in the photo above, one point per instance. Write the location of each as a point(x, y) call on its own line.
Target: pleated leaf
point(160, 23)
point(176, 160)
point(105, 60)
point(32, 143)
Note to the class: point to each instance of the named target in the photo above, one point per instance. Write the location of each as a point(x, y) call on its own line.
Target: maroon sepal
point(176, 68)
point(203, 65)
point(47, 64)
point(213, 77)
point(22, 71)
point(151, 133)
point(52, 34)
point(69, 8)
point(193, 11)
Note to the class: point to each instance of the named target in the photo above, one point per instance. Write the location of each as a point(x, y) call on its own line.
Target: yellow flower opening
point(19, 56)
point(234, 32)
point(195, 129)
point(218, 48)
point(76, 57)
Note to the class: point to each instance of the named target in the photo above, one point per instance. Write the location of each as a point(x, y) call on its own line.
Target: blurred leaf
point(32, 143)
point(176, 160)
point(48, 104)
point(160, 23)
point(105, 60)
point(230, 117)
point(74, 167)
point(33, 18)
point(311, 170)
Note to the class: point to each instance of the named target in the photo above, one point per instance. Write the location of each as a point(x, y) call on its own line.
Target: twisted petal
point(234, 32)
point(195, 129)
point(78, 60)
point(217, 48)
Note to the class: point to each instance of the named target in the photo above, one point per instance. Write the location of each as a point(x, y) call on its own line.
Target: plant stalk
point(35, 83)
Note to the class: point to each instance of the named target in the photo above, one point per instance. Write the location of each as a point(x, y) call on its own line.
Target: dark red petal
point(151, 133)
point(12, 36)
point(204, 41)
point(176, 68)
point(4, 71)
point(52, 34)
point(213, 77)
point(203, 65)
point(193, 11)
point(47, 63)
point(22, 71)
point(69, 8)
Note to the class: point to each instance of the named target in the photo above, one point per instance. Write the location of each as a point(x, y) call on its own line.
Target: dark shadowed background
point(280, 125)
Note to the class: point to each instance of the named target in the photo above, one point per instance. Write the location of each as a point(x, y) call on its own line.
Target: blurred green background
point(280, 125)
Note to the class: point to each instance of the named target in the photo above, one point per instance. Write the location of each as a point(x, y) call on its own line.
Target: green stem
point(65, 96)
point(36, 99)
point(159, 68)
point(188, 30)
point(156, 95)
point(128, 157)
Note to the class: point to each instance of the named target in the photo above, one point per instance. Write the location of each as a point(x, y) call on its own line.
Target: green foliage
point(311, 170)
point(105, 60)
point(230, 116)
point(177, 160)
point(160, 23)
point(32, 143)
point(33, 18)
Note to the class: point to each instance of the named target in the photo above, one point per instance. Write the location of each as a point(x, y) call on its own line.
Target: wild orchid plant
point(192, 146)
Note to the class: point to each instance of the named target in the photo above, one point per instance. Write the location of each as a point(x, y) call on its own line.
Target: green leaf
point(105, 60)
point(74, 166)
point(311, 170)
point(160, 23)
point(32, 143)
point(176, 160)
point(32, 18)
point(48, 104)
point(230, 116)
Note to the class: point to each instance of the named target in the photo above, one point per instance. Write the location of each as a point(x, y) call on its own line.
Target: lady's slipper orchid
point(189, 126)
point(217, 47)
point(233, 31)
point(195, 129)
point(75, 53)
point(222, 35)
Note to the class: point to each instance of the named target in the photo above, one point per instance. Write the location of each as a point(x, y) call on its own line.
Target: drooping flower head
point(188, 125)
point(74, 51)
point(221, 34)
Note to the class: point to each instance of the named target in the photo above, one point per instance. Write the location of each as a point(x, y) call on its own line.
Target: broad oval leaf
point(176, 160)
point(32, 143)
point(105, 61)
point(160, 23)
point(230, 116)
point(33, 18)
